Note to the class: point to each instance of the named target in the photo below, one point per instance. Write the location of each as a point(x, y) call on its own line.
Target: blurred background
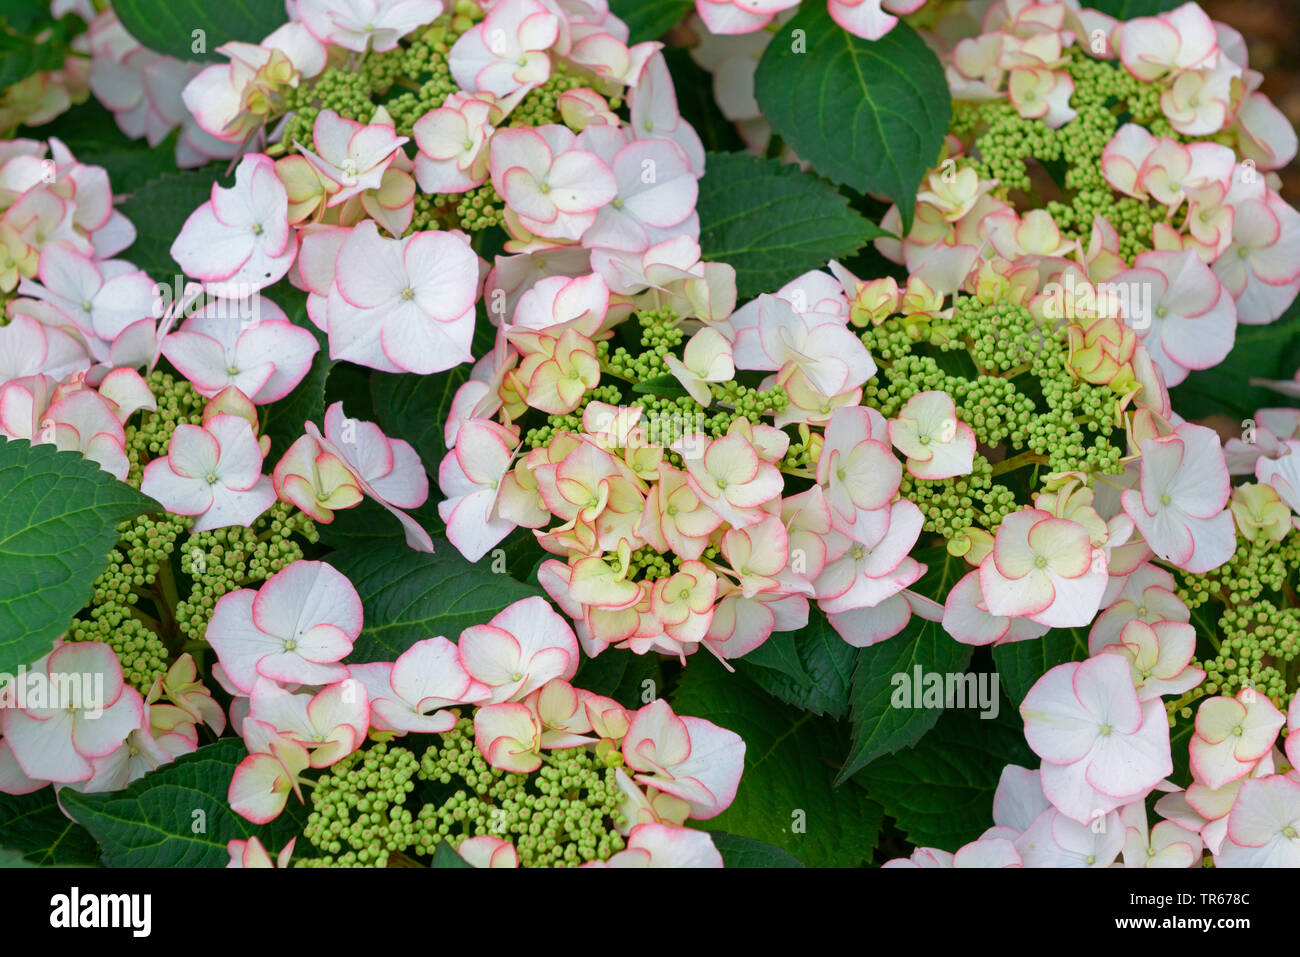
point(1272, 32)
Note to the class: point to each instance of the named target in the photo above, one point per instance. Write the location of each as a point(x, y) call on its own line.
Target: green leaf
point(786, 796)
point(811, 669)
point(1131, 9)
point(58, 524)
point(41, 834)
point(650, 19)
point(1180, 739)
point(21, 56)
point(878, 727)
point(93, 136)
point(773, 221)
point(666, 385)
point(1205, 619)
point(23, 15)
point(409, 596)
point(941, 791)
point(1259, 352)
point(698, 104)
point(193, 29)
point(869, 114)
point(370, 525)
point(444, 856)
point(415, 408)
point(155, 822)
point(1021, 663)
point(942, 572)
point(620, 675)
point(158, 209)
point(283, 421)
point(740, 851)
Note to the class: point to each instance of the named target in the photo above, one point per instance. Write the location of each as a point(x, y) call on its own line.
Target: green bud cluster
point(799, 456)
point(178, 404)
point(145, 634)
point(1255, 568)
point(561, 815)
point(652, 564)
point(1250, 602)
point(541, 106)
point(951, 505)
point(1016, 152)
point(571, 421)
point(383, 806)
point(359, 817)
point(114, 616)
point(744, 401)
point(222, 560)
point(660, 335)
point(139, 566)
point(1010, 381)
point(672, 415)
point(480, 208)
point(408, 81)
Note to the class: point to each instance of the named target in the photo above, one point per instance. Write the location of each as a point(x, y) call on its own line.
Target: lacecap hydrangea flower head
point(1146, 142)
point(503, 759)
point(388, 148)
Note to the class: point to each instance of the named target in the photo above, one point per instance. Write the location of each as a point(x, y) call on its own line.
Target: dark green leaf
point(58, 524)
point(1205, 619)
point(370, 525)
point(1259, 352)
point(158, 209)
point(415, 408)
point(444, 856)
point(1021, 663)
point(35, 828)
point(21, 56)
point(869, 114)
point(283, 421)
point(1131, 9)
point(1180, 737)
point(620, 675)
point(409, 596)
point(786, 794)
point(811, 669)
point(665, 385)
point(24, 15)
point(942, 572)
point(941, 791)
point(878, 726)
point(650, 19)
point(178, 816)
point(698, 104)
point(740, 851)
point(92, 135)
point(773, 222)
point(193, 29)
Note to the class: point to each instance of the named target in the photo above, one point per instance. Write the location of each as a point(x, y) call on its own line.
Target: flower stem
point(1019, 461)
